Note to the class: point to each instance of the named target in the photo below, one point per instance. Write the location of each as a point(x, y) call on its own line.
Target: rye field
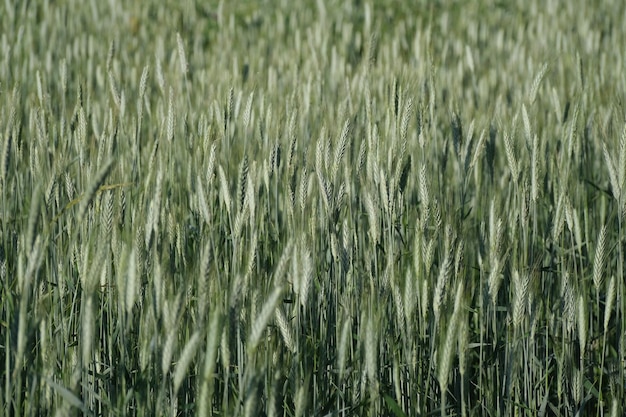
point(314, 208)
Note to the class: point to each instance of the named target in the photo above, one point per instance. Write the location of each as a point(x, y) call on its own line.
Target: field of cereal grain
point(315, 208)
